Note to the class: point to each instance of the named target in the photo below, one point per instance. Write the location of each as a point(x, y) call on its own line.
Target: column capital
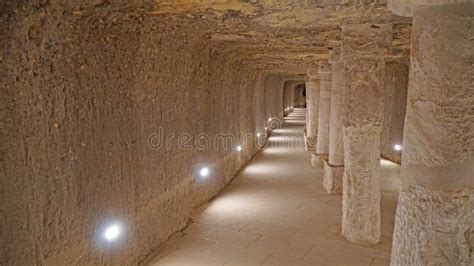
point(324, 67)
point(406, 8)
point(334, 53)
point(312, 75)
point(324, 71)
point(369, 41)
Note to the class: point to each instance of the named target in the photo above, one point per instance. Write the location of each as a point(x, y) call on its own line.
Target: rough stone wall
point(288, 93)
point(83, 97)
point(396, 85)
point(88, 85)
point(259, 102)
point(273, 85)
point(300, 96)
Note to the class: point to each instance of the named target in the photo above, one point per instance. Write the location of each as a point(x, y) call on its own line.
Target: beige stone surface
point(324, 110)
point(368, 41)
point(82, 97)
point(336, 147)
point(332, 180)
point(317, 160)
point(434, 227)
point(334, 166)
point(274, 85)
point(277, 213)
point(300, 96)
point(363, 96)
point(363, 48)
point(288, 94)
point(406, 8)
point(312, 110)
point(434, 221)
point(361, 185)
point(438, 133)
point(86, 84)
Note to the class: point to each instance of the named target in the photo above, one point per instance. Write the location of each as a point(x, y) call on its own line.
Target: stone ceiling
point(264, 34)
point(286, 34)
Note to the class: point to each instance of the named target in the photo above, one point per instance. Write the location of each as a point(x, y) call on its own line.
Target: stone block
point(332, 180)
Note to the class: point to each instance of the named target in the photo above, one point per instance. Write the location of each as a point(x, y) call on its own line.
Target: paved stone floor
point(276, 212)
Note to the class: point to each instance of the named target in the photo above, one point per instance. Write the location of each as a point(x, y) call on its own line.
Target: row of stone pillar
point(350, 108)
point(347, 94)
point(345, 135)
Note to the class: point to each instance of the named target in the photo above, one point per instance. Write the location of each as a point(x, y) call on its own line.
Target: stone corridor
point(275, 212)
point(237, 132)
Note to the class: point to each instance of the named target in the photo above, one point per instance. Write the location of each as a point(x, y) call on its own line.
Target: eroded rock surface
point(435, 210)
point(363, 50)
point(97, 93)
point(439, 222)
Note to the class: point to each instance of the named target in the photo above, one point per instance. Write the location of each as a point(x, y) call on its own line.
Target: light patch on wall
point(112, 232)
point(397, 147)
point(204, 172)
point(231, 204)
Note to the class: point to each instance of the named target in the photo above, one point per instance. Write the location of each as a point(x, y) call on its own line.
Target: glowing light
point(258, 135)
point(112, 232)
point(266, 128)
point(269, 119)
point(239, 148)
point(204, 172)
point(397, 147)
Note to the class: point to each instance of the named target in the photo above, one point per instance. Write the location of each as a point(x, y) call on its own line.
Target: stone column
point(334, 167)
point(312, 110)
point(363, 49)
point(322, 143)
point(434, 222)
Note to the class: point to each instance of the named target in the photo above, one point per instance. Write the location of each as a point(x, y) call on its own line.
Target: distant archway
point(300, 95)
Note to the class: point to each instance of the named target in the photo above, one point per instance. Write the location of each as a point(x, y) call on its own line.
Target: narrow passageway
point(276, 212)
point(236, 132)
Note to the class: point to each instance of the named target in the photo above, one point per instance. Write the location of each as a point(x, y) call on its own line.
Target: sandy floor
point(276, 212)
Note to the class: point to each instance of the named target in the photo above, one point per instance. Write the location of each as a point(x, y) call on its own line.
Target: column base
point(433, 227)
point(310, 143)
point(317, 159)
point(332, 181)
